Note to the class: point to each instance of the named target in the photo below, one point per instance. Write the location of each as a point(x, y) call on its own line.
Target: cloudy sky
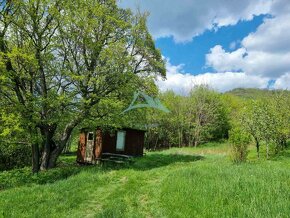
point(224, 43)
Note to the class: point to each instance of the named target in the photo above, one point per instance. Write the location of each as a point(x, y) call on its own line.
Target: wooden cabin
point(94, 143)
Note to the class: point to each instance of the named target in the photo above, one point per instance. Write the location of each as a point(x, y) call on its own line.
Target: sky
point(226, 44)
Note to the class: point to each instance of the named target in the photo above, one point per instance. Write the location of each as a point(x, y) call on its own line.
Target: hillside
point(251, 93)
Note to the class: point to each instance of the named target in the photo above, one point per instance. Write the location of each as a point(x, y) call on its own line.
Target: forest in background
point(258, 116)
point(262, 117)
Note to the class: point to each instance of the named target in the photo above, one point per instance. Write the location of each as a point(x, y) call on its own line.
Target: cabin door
point(90, 147)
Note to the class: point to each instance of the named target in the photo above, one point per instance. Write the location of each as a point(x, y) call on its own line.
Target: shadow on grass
point(161, 160)
point(68, 154)
point(20, 177)
point(67, 167)
point(152, 161)
point(284, 154)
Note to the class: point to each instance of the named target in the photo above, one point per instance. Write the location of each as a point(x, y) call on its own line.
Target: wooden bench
point(115, 158)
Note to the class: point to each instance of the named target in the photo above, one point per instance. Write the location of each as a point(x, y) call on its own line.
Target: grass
point(180, 182)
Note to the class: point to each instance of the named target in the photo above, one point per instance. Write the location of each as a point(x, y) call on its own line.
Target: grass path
point(184, 182)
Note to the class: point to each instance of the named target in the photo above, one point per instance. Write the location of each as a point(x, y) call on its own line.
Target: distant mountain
point(251, 93)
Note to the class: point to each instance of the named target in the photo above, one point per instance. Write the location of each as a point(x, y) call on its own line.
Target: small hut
point(93, 144)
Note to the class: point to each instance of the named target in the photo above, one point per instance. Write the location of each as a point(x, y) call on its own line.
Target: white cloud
point(181, 82)
point(262, 56)
point(223, 61)
point(265, 52)
point(272, 36)
point(283, 82)
point(184, 19)
point(253, 62)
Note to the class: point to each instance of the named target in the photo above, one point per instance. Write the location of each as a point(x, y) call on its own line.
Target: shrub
point(239, 141)
point(14, 156)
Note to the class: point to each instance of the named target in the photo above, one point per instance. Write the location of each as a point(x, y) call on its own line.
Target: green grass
point(180, 182)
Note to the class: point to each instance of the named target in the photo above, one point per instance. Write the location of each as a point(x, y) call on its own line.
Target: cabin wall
point(98, 143)
point(109, 142)
point(82, 147)
point(105, 142)
point(134, 142)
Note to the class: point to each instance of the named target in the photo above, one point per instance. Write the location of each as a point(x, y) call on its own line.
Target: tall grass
point(186, 182)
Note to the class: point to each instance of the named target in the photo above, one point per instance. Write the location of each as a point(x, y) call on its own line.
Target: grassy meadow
point(179, 182)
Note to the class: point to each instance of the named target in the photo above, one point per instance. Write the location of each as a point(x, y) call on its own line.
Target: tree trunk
point(53, 157)
point(156, 142)
point(258, 147)
point(49, 147)
point(45, 155)
point(35, 158)
point(47, 133)
point(284, 143)
point(58, 148)
point(179, 138)
point(196, 137)
point(267, 149)
point(54, 154)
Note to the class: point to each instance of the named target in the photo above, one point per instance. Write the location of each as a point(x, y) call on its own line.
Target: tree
point(61, 59)
point(267, 120)
point(251, 119)
point(210, 119)
point(239, 140)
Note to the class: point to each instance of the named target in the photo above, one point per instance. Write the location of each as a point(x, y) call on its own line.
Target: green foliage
point(268, 121)
point(23, 176)
point(15, 152)
point(9, 124)
point(239, 140)
point(209, 114)
point(254, 93)
point(264, 114)
point(198, 118)
point(14, 155)
point(61, 61)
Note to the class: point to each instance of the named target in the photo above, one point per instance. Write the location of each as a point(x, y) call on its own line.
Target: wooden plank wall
point(98, 143)
point(81, 147)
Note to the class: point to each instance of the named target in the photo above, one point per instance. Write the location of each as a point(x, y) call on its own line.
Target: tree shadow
point(67, 167)
point(70, 153)
point(161, 160)
point(284, 154)
point(152, 161)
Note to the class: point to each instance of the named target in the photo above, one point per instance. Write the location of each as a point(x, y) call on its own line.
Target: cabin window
point(90, 136)
point(120, 145)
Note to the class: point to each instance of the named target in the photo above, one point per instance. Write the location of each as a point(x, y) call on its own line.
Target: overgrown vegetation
point(239, 141)
point(14, 155)
point(195, 119)
point(179, 182)
point(206, 115)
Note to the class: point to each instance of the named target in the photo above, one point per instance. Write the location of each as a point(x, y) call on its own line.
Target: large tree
point(209, 115)
point(59, 59)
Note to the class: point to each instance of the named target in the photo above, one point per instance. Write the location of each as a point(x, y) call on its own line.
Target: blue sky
point(226, 44)
point(192, 54)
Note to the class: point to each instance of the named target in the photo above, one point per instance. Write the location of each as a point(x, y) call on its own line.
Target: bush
point(14, 156)
point(239, 141)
